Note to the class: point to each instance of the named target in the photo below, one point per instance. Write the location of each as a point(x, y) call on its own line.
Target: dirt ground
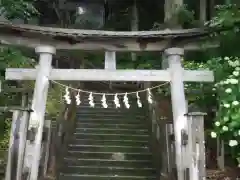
point(228, 174)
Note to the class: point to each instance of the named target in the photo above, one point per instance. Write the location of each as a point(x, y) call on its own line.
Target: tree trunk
point(170, 12)
point(203, 11)
point(134, 24)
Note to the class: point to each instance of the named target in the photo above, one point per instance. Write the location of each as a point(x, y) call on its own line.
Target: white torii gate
point(174, 73)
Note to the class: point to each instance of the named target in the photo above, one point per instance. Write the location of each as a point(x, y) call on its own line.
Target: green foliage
point(22, 9)
point(184, 15)
point(54, 103)
point(227, 71)
point(11, 57)
point(226, 16)
point(5, 134)
point(228, 20)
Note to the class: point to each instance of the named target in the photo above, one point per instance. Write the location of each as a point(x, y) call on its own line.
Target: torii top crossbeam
point(60, 38)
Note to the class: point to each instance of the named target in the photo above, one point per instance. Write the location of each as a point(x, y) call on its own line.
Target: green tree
point(22, 9)
point(227, 69)
point(12, 57)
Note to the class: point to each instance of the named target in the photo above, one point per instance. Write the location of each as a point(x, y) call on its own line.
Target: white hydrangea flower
point(213, 134)
point(235, 103)
point(233, 143)
point(227, 81)
point(228, 90)
point(235, 73)
point(226, 105)
point(217, 123)
point(226, 58)
point(237, 68)
point(225, 119)
point(239, 132)
point(233, 81)
point(214, 89)
point(233, 64)
point(225, 128)
point(236, 63)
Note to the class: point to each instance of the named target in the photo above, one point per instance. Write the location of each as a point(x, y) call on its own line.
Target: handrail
point(17, 142)
point(14, 108)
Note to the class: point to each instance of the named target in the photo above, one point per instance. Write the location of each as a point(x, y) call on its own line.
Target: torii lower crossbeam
point(109, 75)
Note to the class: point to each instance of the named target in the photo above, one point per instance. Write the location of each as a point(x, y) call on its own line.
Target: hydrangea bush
point(227, 89)
point(225, 93)
point(227, 70)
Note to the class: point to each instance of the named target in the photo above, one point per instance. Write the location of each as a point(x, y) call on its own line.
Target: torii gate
point(175, 74)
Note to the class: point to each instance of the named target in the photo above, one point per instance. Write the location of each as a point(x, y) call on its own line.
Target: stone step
point(111, 142)
point(107, 148)
point(110, 126)
point(113, 130)
point(98, 106)
point(102, 170)
point(110, 155)
point(111, 102)
point(102, 177)
point(107, 115)
point(111, 120)
point(95, 115)
point(110, 136)
point(111, 108)
point(108, 112)
point(69, 161)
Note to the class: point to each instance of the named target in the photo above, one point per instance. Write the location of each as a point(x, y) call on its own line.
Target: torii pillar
point(179, 108)
point(39, 104)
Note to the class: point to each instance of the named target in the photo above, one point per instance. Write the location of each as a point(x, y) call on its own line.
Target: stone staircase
point(109, 144)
